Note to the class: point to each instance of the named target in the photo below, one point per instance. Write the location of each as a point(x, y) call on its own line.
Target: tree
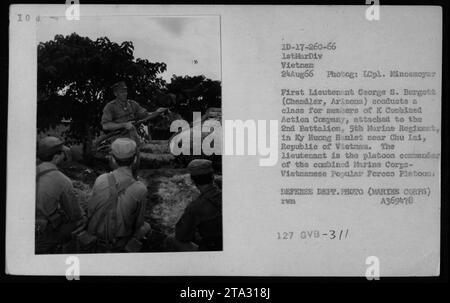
point(195, 93)
point(184, 95)
point(74, 78)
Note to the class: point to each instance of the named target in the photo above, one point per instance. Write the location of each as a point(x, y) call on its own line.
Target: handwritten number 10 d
point(26, 18)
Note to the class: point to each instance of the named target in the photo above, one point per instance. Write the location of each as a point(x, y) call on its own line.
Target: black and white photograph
point(108, 91)
point(225, 141)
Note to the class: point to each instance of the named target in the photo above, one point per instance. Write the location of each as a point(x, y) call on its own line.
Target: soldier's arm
point(140, 213)
point(95, 196)
point(142, 113)
point(185, 227)
point(139, 111)
point(69, 203)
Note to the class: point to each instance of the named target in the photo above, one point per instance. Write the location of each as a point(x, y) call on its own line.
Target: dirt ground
point(170, 190)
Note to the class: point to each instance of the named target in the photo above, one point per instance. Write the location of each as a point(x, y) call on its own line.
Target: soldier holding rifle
point(120, 113)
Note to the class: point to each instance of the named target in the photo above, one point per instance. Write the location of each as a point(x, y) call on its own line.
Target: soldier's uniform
point(116, 111)
point(203, 215)
point(120, 112)
point(116, 229)
point(57, 211)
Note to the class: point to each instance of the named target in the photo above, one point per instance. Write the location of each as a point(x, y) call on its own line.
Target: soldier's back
point(208, 208)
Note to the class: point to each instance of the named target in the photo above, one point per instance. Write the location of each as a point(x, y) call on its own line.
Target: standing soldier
point(57, 211)
point(203, 215)
point(122, 112)
point(117, 205)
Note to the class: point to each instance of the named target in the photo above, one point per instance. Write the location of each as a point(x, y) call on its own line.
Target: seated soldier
point(58, 213)
point(122, 112)
point(117, 206)
point(203, 215)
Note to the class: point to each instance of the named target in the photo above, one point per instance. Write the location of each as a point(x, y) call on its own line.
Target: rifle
point(122, 131)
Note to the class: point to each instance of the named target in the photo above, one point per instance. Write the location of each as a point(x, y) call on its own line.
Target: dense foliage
point(75, 74)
